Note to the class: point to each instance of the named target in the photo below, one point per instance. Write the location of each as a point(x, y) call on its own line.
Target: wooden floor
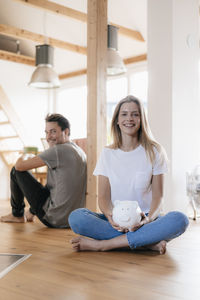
point(54, 271)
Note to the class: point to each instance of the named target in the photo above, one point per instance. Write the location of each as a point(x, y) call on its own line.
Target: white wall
point(4, 181)
point(173, 99)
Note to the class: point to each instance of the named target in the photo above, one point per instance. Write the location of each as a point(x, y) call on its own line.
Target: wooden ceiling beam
point(57, 9)
point(77, 15)
point(135, 59)
point(18, 33)
point(127, 61)
point(18, 58)
point(133, 34)
point(73, 74)
point(22, 59)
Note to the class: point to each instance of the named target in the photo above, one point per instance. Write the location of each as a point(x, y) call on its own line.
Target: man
point(66, 179)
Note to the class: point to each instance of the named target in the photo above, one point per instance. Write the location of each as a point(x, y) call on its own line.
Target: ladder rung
point(8, 137)
point(4, 123)
point(10, 151)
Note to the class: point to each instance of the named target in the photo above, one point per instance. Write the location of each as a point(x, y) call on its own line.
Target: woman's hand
point(115, 225)
point(144, 220)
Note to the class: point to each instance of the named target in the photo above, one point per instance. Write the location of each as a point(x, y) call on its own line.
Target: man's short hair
point(62, 121)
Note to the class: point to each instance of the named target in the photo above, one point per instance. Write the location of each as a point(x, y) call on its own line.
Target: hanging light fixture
point(44, 77)
point(115, 64)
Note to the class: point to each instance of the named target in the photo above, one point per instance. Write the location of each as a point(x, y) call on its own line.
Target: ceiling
point(127, 13)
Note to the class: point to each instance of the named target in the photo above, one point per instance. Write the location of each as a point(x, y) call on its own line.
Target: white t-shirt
point(130, 174)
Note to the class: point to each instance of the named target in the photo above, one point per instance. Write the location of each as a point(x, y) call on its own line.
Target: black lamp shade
point(112, 37)
point(44, 55)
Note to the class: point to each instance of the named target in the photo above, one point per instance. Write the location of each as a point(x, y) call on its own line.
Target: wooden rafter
point(39, 38)
point(77, 15)
point(5, 55)
point(135, 59)
point(135, 35)
point(18, 58)
point(73, 74)
point(57, 9)
point(127, 61)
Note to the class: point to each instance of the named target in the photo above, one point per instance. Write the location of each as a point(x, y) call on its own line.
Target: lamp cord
point(46, 39)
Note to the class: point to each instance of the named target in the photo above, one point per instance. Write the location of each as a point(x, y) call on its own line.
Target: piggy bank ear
point(116, 202)
point(135, 204)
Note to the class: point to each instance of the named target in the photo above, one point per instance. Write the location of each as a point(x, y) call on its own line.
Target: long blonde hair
point(145, 136)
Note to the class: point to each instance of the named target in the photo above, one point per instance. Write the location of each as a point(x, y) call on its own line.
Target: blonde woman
point(132, 168)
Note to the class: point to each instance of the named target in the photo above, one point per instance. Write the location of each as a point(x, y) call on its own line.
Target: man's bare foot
point(29, 216)
point(85, 244)
point(12, 219)
point(159, 247)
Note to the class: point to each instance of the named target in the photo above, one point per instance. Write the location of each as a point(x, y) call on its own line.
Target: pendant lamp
point(44, 77)
point(115, 64)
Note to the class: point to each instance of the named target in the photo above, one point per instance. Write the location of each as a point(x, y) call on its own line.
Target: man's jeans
point(23, 184)
point(84, 222)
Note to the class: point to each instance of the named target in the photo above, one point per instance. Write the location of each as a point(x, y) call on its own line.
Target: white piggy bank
point(126, 213)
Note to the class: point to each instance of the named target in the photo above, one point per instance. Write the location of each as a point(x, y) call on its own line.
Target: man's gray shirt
point(66, 181)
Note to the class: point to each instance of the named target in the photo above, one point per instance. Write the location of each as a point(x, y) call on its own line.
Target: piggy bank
point(126, 213)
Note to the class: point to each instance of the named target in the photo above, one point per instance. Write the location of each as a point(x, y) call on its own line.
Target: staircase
point(12, 136)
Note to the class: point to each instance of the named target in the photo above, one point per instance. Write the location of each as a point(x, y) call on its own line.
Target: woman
point(131, 168)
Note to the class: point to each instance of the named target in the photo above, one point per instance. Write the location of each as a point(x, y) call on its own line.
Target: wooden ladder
point(12, 135)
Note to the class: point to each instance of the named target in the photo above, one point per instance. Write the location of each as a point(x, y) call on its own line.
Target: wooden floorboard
point(54, 271)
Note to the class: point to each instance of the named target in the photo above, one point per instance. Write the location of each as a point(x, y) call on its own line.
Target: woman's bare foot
point(85, 244)
point(82, 243)
point(159, 247)
point(29, 216)
point(12, 219)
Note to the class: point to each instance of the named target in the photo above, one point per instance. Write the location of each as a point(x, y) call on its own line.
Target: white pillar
point(173, 100)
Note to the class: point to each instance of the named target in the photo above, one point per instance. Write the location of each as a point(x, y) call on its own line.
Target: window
point(138, 85)
point(116, 90)
point(72, 103)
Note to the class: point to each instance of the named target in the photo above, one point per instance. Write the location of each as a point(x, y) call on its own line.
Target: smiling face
point(55, 135)
point(129, 119)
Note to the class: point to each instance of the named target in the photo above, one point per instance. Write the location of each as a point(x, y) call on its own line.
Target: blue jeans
point(94, 225)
